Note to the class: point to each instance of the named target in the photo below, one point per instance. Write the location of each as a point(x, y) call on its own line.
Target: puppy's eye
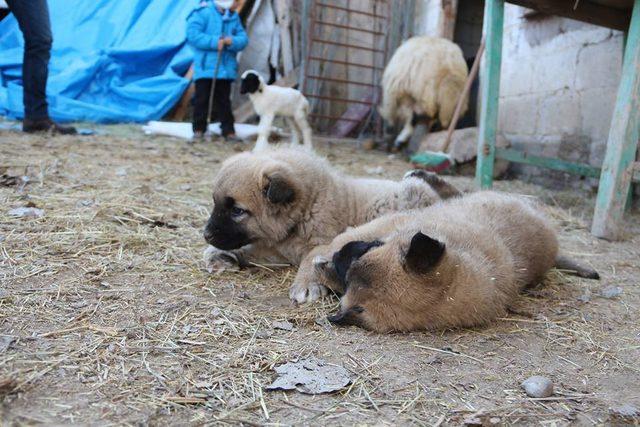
point(237, 212)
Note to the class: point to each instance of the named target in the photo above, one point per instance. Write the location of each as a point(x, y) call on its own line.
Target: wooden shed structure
point(620, 167)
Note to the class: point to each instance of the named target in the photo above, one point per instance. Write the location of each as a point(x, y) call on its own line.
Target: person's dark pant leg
point(201, 105)
point(223, 110)
point(33, 19)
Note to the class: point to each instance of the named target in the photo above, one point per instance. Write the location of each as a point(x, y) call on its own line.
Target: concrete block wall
point(558, 88)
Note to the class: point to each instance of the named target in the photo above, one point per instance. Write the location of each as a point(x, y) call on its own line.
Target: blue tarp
point(112, 60)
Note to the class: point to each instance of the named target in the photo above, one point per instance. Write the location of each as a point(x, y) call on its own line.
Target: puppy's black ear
point(278, 190)
point(424, 253)
point(349, 253)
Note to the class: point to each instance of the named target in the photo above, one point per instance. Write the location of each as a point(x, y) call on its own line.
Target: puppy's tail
point(573, 267)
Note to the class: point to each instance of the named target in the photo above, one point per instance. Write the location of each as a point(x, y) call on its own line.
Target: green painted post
point(489, 91)
point(622, 143)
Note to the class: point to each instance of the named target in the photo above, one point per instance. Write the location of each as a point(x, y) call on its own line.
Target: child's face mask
point(224, 4)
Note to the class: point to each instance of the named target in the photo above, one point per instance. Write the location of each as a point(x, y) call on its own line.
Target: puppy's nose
point(208, 234)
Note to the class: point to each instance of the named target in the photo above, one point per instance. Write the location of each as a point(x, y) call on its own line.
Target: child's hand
point(224, 41)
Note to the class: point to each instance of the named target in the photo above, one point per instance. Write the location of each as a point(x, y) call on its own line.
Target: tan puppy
point(455, 264)
point(283, 204)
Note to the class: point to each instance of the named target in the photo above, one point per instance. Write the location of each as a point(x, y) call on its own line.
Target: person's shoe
point(198, 136)
point(46, 125)
point(232, 137)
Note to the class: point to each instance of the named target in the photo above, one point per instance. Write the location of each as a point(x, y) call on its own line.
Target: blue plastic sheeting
point(112, 60)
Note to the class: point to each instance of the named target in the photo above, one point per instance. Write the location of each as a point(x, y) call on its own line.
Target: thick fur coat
point(285, 204)
point(459, 263)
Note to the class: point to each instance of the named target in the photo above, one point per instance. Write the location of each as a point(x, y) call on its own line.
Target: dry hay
point(106, 315)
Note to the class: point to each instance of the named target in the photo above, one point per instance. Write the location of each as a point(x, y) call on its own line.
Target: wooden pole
point(463, 96)
point(283, 8)
point(622, 143)
point(490, 91)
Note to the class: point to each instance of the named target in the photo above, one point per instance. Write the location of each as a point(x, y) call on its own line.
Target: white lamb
point(269, 101)
point(424, 77)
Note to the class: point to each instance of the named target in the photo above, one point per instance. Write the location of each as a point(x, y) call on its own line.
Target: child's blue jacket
point(205, 25)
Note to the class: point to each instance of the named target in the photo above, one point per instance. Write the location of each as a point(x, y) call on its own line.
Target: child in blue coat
point(214, 27)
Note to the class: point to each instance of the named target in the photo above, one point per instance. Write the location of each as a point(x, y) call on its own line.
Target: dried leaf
point(310, 376)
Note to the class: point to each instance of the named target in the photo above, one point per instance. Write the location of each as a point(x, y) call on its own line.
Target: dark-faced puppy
point(455, 264)
point(250, 82)
point(249, 208)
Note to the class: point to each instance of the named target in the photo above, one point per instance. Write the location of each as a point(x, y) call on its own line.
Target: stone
point(611, 291)
point(26, 212)
point(283, 325)
point(625, 411)
point(538, 386)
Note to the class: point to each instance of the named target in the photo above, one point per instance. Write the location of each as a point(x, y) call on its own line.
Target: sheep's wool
point(425, 75)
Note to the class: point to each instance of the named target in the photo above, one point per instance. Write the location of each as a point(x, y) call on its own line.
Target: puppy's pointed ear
point(424, 253)
point(278, 189)
point(349, 253)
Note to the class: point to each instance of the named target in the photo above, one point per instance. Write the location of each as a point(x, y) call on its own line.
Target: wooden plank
point(244, 111)
point(583, 10)
point(448, 19)
point(489, 91)
point(352, 118)
point(283, 9)
point(622, 143)
point(181, 108)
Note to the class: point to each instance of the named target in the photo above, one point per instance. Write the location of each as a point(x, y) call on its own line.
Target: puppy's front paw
point(218, 260)
point(307, 292)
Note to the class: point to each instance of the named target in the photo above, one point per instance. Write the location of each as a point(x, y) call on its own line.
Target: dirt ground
point(107, 316)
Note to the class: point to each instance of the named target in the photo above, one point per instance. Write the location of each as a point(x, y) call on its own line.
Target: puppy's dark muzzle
point(225, 239)
point(209, 235)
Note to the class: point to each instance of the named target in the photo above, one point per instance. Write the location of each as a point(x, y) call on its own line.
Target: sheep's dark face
point(250, 83)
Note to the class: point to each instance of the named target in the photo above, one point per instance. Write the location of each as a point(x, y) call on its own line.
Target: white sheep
point(424, 77)
point(269, 101)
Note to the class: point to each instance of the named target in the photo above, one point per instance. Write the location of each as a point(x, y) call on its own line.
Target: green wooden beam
point(617, 169)
point(489, 91)
point(547, 162)
point(517, 156)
